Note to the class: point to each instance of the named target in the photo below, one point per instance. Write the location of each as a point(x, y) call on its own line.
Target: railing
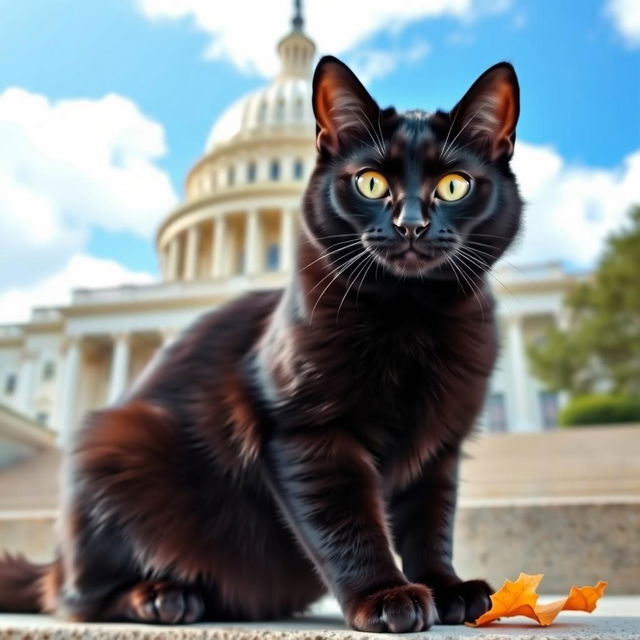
point(227, 286)
point(10, 331)
point(45, 314)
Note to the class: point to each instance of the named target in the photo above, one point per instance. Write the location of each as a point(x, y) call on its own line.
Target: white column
point(191, 258)
point(172, 259)
point(25, 382)
point(217, 247)
point(252, 248)
point(119, 375)
point(287, 239)
point(66, 414)
point(521, 418)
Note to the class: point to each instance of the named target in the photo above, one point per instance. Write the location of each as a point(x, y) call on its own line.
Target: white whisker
point(339, 271)
point(354, 275)
point(334, 250)
point(464, 126)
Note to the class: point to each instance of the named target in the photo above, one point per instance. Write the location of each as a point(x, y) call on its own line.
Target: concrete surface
point(616, 618)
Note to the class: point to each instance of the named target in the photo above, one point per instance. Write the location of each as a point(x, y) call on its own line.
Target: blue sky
point(578, 63)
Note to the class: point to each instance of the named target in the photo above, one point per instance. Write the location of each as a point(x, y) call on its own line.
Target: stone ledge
point(571, 543)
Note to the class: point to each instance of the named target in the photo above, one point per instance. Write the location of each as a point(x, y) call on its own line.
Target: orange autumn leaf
point(519, 598)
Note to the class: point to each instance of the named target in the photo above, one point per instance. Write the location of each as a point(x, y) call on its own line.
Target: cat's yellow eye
point(452, 187)
point(372, 184)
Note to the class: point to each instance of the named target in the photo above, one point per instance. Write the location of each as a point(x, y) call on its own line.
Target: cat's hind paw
point(164, 603)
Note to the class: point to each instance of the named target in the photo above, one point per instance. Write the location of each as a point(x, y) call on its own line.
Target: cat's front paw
point(462, 601)
point(397, 610)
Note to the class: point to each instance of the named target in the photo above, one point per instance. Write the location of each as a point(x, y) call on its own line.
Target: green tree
point(603, 340)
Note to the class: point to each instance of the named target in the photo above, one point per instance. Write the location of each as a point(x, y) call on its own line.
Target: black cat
point(290, 440)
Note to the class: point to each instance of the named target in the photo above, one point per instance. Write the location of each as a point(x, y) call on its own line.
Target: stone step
point(587, 461)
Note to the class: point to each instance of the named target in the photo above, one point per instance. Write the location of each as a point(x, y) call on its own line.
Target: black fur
point(291, 438)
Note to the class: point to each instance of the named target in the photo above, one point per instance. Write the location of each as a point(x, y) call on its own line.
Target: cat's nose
point(411, 230)
point(409, 220)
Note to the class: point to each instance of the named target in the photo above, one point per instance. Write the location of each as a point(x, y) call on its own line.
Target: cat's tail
point(21, 584)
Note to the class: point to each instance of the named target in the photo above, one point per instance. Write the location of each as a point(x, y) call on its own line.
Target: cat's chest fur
point(423, 382)
point(405, 384)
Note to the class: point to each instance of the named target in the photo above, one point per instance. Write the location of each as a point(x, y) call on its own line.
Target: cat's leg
point(103, 574)
point(100, 581)
point(422, 518)
point(329, 489)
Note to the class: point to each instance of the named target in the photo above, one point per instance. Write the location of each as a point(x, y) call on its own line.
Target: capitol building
point(236, 231)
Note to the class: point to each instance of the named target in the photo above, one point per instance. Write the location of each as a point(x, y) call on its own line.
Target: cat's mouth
point(416, 261)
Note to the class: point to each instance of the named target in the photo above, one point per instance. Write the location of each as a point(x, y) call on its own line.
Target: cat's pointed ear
point(343, 108)
point(489, 111)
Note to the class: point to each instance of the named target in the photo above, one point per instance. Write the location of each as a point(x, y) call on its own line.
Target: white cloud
point(626, 19)
point(245, 32)
point(369, 64)
point(570, 209)
point(69, 166)
point(79, 271)
point(519, 21)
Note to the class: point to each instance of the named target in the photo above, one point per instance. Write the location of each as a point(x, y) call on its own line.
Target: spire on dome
point(296, 49)
point(298, 20)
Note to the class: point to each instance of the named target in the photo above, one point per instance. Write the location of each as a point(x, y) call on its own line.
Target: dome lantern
point(296, 50)
point(283, 107)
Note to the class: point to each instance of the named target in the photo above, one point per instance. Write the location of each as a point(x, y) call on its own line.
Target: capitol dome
point(243, 196)
point(284, 104)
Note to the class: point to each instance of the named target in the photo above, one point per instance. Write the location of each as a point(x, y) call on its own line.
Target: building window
point(298, 169)
point(299, 109)
point(273, 257)
point(239, 266)
point(251, 172)
point(42, 417)
point(496, 412)
point(549, 408)
point(262, 112)
point(231, 176)
point(10, 384)
point(274, 170)
point(49, 370)
point(280, 110)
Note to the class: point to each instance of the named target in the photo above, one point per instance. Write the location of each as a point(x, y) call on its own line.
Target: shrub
point(600, 409)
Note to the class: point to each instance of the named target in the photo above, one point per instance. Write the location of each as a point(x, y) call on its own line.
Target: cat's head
point(422, 195)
